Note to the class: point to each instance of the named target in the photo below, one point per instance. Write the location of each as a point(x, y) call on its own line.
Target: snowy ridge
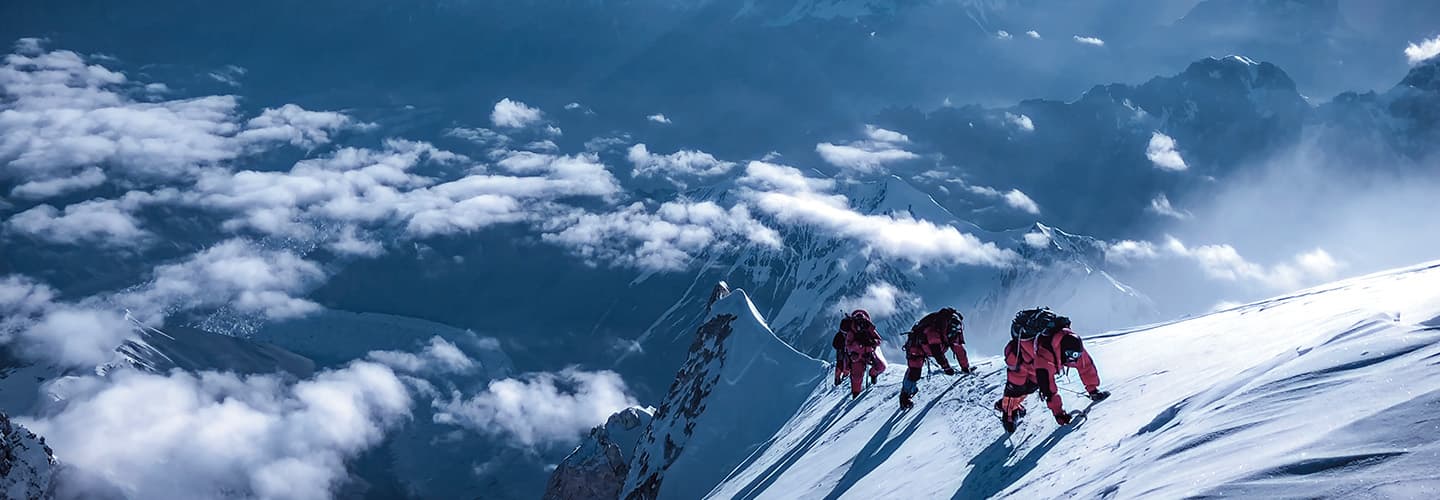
point(1327, 392)
point(737, 386)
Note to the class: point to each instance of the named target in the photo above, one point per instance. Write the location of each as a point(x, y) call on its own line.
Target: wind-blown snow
point(1328, 392)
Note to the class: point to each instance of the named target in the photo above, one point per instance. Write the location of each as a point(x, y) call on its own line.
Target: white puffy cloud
point(438, 356)
point(56, 186)
point(36, 326)
point(1037, 239)
point(665, 239)
point(1161, 205)
point(234, 273)
point(881, 147)
point(880, 300)
point(1161, 151)
point(1224, 262)
point(1003, 35)
point(514, 114)
point(211, 435)
point(658, 118)
point(1033, 34)
point(1423, 51)
point(1021, 122)
point(1127, 251)
point(1014, 198)
point(539, 409)
point(63, 116)
point(882, 135)
point(789, 197)
point(106, 223)
point(677, 167)
point(1089, 40)
point(295, 125)
point(1020, 201)
point(481, 136)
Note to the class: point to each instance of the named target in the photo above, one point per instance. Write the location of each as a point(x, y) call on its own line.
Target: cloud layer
point(539, 409)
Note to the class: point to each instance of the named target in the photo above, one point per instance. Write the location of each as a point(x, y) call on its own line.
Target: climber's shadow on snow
point(775, 470)
point(990, 475)
point(879, 449)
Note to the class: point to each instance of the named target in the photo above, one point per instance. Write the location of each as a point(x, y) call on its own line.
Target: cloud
point(1161, 152)
point(1161, 205)
point(880, 148)
point(1037, 240)
point(64, 116)
point(677, 167)
point(663, 240)
point(573, 106)
point(1089, 40)
point(481, 136)
point(658, 118)
point(229, 75)
point(1425, 50)
point(209, 434)
point(295, 125)
point(880, 300)
point(438, 356)
point(235, 273)
point(1021, 201)
point(56, 186)
point(1014, 198)
point(791, 198)
point(1003, 35)
point(882, 135)
point(539, 409)
point(105, 223)
point(1127, 251)
point(1021, 122)
point(1033, 34)
point(1223, 262)
point(514, 114)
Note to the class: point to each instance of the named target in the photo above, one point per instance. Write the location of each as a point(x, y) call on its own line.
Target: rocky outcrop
point(27, 466)
point(597, 468)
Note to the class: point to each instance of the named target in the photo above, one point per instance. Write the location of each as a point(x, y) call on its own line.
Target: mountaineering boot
point(905, 402)
point(1062, 418)
point(949, 371)
point(872, 379)
point(1098, 395)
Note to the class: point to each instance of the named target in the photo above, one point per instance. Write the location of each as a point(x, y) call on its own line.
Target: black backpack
point(1032, 323)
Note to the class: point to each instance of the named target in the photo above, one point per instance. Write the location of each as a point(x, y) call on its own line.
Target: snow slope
point(737, 386)
point(1329, 392)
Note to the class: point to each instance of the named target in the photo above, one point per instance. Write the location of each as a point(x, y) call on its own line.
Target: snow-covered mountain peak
point(738, 383)
point(598, 466)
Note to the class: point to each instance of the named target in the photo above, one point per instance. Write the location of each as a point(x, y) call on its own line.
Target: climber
point(862, 346)
point(945, 329)
point(916, 353)
point(1031, 364)
point(842, 361)
point(1058, 349)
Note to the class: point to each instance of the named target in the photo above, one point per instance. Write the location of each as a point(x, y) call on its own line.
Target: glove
point(1062, 418)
